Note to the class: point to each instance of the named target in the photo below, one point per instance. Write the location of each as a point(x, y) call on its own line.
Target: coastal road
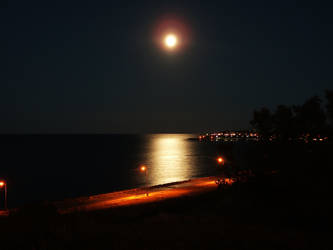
point(137, 196)
point(4, 213)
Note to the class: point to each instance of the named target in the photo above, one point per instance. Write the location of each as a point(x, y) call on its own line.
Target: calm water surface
point(53, 167)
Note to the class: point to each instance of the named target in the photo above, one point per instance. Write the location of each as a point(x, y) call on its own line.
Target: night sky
point(95, 67)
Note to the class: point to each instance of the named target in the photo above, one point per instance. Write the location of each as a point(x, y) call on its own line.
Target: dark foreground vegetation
point(287, 205)
point(307, 122)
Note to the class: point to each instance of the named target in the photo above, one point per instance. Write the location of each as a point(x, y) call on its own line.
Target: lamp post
point(4, 185)
point(144, 169)
point(220, 162)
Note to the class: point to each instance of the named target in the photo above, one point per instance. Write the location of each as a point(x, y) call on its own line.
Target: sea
point(55, 167)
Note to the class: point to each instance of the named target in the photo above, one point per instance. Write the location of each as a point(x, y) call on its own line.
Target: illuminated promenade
point(3, 213)
point(138, 195)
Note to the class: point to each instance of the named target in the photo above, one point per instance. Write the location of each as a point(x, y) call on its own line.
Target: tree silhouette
point(310, 118)
point(286, 123)
point(329, 105)
point(283, 122)
point(263, 122)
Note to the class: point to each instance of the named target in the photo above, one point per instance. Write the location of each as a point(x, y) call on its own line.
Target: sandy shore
point(287, 210)
point(4, 213)
point(138, 195)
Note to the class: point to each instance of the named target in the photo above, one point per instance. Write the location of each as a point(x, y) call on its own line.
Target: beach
point(279, 208)
point(137, 196)
point(241, 216)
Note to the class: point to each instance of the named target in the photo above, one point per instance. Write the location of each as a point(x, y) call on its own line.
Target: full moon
point(170, 40)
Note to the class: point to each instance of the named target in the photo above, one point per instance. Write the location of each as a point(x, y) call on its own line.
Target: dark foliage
point(310, 118)
point(306, 121)
point(283, 122)
point(329, 105)
point(263, 122)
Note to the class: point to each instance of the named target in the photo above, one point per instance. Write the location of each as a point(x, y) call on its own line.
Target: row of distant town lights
point(228, 135)
point(306, 138)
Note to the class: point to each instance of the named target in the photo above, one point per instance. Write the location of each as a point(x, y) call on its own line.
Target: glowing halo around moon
point(170, 41)
point(171, 34)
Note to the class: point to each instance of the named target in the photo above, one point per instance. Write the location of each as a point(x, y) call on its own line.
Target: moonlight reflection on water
point(170, 159)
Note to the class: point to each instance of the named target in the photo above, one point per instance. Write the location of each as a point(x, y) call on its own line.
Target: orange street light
point(220, 160)
point(144, 169)
point(4, 185)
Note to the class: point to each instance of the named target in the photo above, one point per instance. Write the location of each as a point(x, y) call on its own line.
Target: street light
point(4, 185)
point(144, 169)
point(220, 161)
point(219, 182)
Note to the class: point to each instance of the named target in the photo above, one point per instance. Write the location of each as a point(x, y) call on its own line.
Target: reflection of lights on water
point(169, 159)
